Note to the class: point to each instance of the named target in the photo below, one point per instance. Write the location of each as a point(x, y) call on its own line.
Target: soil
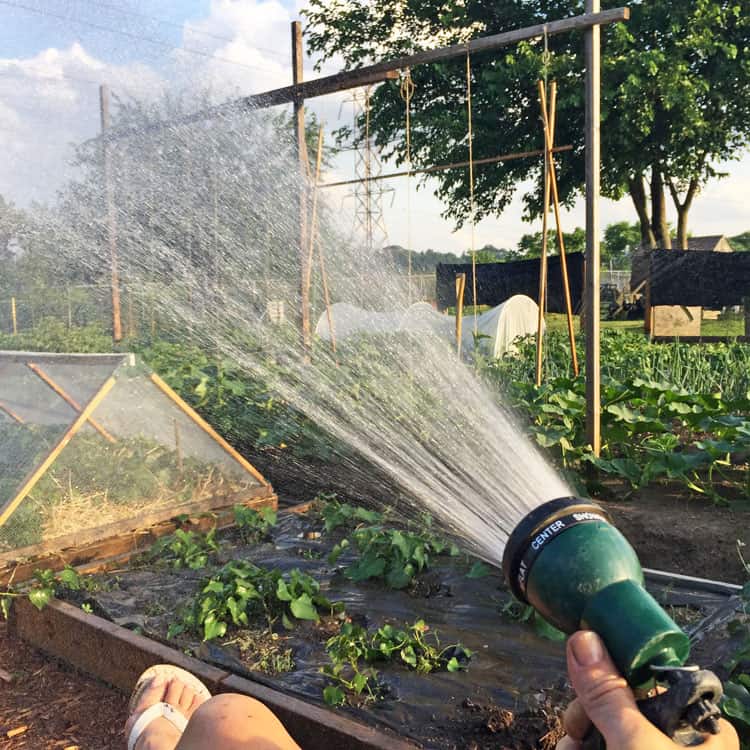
point(60, 708)
point(679, 534)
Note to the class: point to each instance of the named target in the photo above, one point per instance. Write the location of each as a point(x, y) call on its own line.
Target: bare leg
point(235, 722)
point(224, 722)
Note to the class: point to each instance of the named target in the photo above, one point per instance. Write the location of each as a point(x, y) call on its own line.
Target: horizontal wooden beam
point(444, 167)
point(371, 74)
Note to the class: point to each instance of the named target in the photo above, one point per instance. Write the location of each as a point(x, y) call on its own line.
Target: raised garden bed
point(509, 695)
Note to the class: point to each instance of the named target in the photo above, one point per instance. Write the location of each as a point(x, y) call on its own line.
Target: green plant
point(254, 524)
point(241, 591)
point(336, 513)
point(354, 650)
point(394, 555)
point(45, 586)
point(186, 549)
point(520, 612)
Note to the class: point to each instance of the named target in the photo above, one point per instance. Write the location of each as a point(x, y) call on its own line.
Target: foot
point(161, 734)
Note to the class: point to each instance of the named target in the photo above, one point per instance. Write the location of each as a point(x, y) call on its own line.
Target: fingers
point(575, 721)
point(726, 739)
point(568, 743)
point(605, 697)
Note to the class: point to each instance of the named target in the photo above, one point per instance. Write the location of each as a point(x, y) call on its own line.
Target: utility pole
point(111, 215)
point(302, 161)
point(593, 183)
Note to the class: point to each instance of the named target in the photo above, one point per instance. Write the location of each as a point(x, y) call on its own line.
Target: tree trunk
point(638, 194)
point(683, 209)
point(659, 211)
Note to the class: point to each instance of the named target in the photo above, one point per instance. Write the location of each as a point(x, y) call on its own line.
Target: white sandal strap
point(157, 711)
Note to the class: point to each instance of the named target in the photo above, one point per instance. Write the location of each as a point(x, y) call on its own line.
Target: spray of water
point(206, 221)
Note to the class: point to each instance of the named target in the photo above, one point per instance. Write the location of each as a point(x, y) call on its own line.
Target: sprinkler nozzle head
point(569, 562)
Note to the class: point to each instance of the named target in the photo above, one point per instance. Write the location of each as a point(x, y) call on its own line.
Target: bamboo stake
point(11, 414)
point(460, 289)
point(556, 204)
point(542, 268)
point(69, 400)
point(444, 167)
point(13, 315)
point(190, 412)
point(37, 473)
point(314, 217)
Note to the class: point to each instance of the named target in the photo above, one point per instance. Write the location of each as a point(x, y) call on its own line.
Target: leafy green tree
point(741, 242)
point(621, 240)
point(674, 81)
point(530, 245)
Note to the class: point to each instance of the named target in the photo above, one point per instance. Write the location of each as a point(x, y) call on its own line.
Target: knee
point(235, 718)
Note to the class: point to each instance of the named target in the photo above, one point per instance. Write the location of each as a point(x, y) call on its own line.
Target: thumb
point(606, 697)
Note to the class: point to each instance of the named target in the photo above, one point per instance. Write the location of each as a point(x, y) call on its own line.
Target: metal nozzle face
point(537, 528)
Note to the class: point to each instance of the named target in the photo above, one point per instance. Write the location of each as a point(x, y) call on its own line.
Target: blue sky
point(52, 58)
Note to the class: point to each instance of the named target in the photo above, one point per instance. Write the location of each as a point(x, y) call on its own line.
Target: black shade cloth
point(686, 277)
point(497, 282)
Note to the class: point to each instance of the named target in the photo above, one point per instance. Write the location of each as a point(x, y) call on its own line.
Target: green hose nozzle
point(578, 571)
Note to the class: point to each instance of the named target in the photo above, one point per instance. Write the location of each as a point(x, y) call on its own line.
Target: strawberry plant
point(241, 591)
point(254, 525)
point(186, 549)
point(354, 650)
point(392, 555)
point(45, 586)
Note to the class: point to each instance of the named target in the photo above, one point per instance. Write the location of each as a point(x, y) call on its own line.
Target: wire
point(163, 21)
point(31, 77)
point(127, 34)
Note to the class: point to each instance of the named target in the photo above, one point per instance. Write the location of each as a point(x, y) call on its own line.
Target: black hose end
point(522, 536)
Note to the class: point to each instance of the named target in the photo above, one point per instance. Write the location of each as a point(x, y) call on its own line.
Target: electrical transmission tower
point(369, 221)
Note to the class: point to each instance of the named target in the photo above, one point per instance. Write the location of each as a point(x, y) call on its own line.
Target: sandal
point(161, 710)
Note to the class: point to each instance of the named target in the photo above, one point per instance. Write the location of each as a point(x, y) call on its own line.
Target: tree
point(621, 240)
point(530, 245)
point(741, 242)
point(673, 96)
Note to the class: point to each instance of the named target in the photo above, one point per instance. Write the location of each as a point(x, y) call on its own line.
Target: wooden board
point(118, 656)
point(675, 320)
point(121, 540)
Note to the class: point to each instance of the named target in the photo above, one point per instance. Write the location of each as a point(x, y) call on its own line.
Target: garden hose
point(569, 562)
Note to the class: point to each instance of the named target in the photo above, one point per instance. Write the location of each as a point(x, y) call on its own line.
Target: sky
point(55, 53)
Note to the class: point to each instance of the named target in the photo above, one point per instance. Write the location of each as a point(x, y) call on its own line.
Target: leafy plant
point(393, 555)
point(336, 513)
point(254, 524)
point(45, 586)
point(241, 591)
point(186, 549)
point(520, 612)
point(354, 650)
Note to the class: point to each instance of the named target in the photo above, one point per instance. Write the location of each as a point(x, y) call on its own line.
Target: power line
point(129, 35)
point(163, 21)
point(35, 77)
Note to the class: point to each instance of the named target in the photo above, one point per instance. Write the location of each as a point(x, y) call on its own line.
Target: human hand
point(605, 700)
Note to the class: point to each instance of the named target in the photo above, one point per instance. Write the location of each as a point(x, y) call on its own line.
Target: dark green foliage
point(336, 514)
point(676, 412)
point(186, 549)
point(45, 586)
point(241, 591)
point(354, 650)
point(393, 555)
point(253, 524)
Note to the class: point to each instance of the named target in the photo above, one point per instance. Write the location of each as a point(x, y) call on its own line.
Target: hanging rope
point(407, 93)
point(472, 207)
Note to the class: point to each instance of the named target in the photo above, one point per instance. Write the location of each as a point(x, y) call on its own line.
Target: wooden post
point(460, 289)
point(314, 217)
point(301, 146)
point(111, 216)
point(13, 317)
point(593, 165)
